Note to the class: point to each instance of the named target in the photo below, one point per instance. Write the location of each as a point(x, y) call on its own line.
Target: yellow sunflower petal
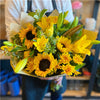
point(30, 65)
point(77, 59)
point(26, 54)
point(28, 33)
point(68, 69)
point(65, 58)
point(44, 64)
point(64, 44)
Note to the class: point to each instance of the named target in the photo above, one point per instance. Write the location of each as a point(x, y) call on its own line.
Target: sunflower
point(28, 33)
point(77, 59)
point(26, 54)
point(44, 64)
point(65, 58)
point(30, 65)
point(68, 69)
point(41, 43)
point(64, 44)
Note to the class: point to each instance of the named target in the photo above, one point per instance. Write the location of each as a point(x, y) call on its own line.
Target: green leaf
point(31, 53)
point(52, 49)
point(42, 13)
point(63, 29)
point(67, 26)
point(79, 66)
point(18, 48)
point(95, 42)
point(74, 23)
point(60, 20)
point(39, 33)
point(7, 43)
point(77, 35)
point(23, 42)
point(65, 14)
point(31, 14)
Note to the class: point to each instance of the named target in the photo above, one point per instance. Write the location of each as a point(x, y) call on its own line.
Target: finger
point(59, 78)
point(59, 83)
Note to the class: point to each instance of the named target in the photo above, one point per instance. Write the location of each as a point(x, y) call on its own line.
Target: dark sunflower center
point(44, 64)
point(63, 45)
point(29, 35)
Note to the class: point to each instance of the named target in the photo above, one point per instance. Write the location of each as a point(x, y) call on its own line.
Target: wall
point(87, 11)
point(2, 21)
point(98, 19)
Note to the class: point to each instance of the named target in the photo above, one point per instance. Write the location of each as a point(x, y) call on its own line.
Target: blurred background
point(83, 87)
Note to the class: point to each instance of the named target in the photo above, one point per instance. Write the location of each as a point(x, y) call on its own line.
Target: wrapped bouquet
point(46, 47)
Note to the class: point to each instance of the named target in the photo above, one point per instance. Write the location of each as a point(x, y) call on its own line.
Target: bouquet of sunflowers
point(42, 46)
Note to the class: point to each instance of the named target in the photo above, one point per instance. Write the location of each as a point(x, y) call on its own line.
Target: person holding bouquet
point(36, 88)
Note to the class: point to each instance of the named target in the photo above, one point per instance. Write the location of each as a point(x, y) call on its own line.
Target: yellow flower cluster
point(49, 46)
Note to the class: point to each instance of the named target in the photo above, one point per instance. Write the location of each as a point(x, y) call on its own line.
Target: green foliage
point(68, 25)
point(23, 42)
point(51, 45)
point(38, 14)
point(31, 14)
point(95, 42)
point(60, 20)
point(42, 13)
point(31, 53)
point(79, 66)
point(16, 40)
point(18, 48)
point(7, 43)
point(57, 54)
point(65, 14)
point(18, 55)
point(74, 23)
point(77, 34)
point(39, 33)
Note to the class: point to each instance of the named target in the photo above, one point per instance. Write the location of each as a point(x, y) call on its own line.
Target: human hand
point(56, 84)
point(58, 81)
